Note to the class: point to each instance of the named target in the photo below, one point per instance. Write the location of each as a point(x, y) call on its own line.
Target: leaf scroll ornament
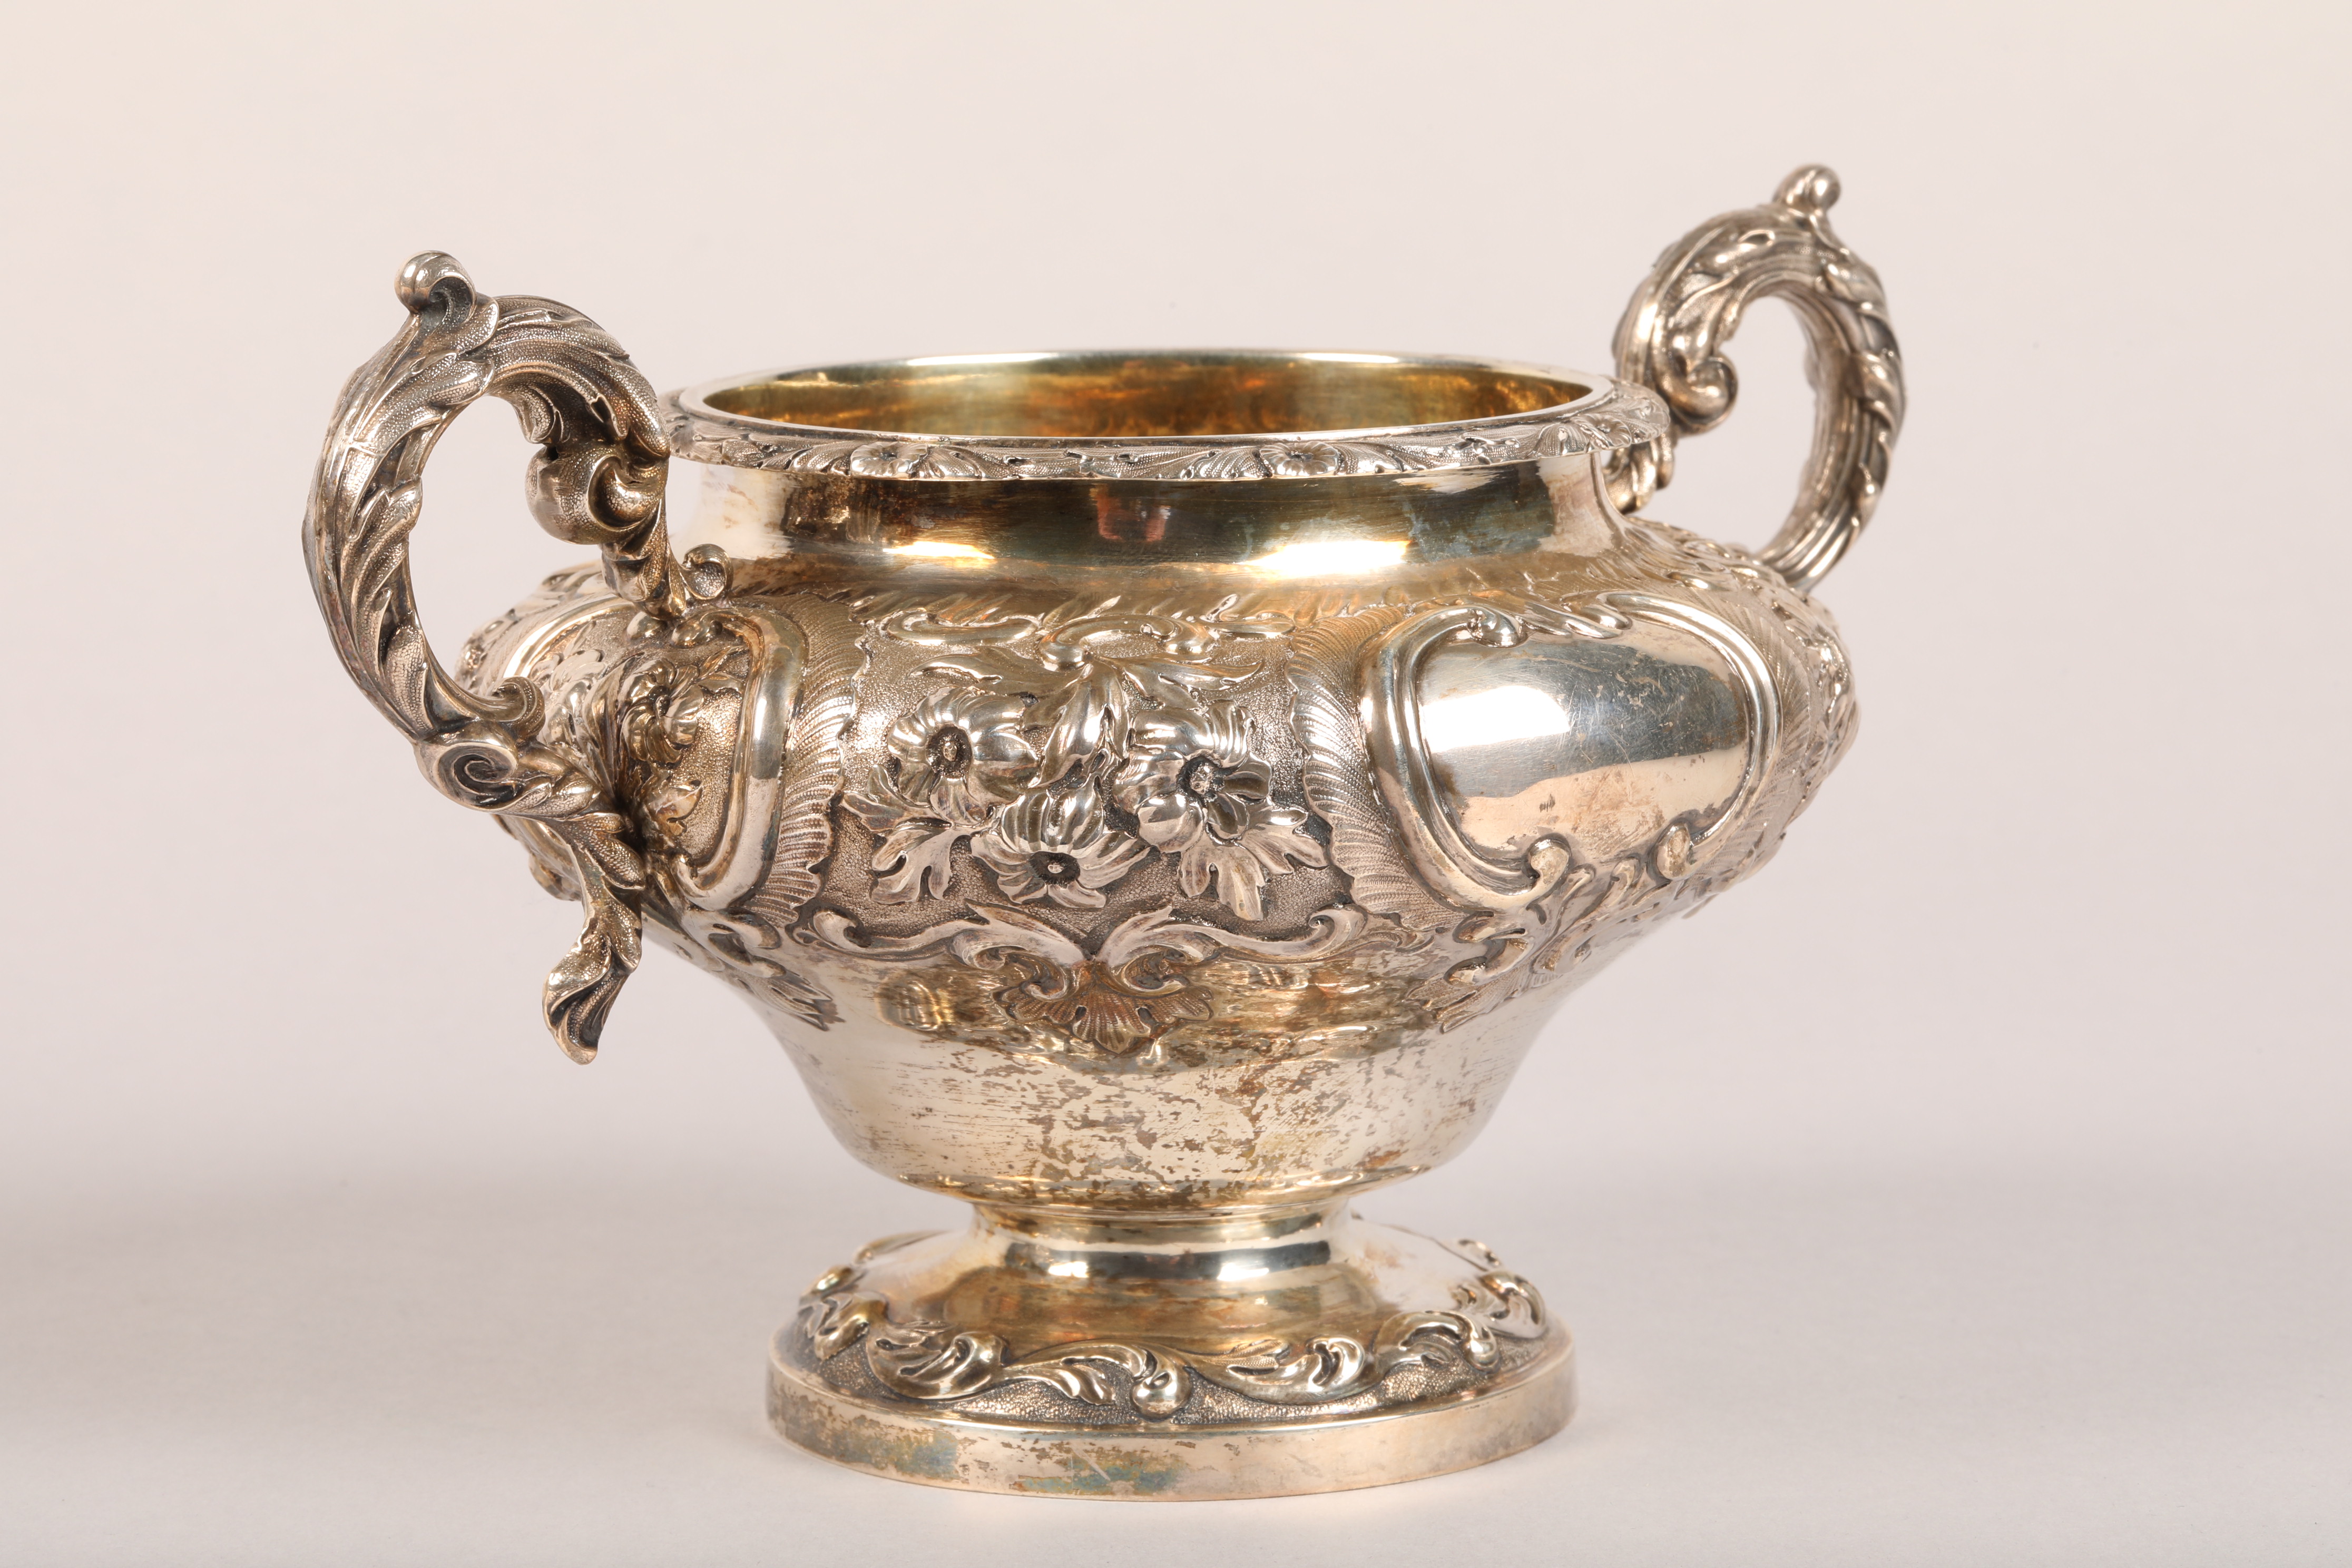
point(944, 1364)
point(597, 479)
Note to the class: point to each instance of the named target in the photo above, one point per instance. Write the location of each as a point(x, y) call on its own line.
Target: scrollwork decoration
point(1529, 919)
point(940, 1363)
point(1672, 336)
point(1117, 997)
point(730, 702)
point(1405, 769)
point(597, 479)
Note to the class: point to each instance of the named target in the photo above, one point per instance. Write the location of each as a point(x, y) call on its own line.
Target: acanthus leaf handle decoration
point(1672, 335)
point(597, 479)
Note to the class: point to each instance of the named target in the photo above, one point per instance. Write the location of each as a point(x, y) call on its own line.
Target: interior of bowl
point(1142, 396)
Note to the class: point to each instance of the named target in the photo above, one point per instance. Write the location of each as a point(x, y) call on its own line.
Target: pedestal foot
point(1261, 1356)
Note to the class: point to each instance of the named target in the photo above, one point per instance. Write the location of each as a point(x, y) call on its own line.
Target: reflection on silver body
point(1605, 743)
point(1152, 823)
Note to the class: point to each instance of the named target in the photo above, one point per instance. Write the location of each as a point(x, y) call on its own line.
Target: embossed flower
point(961, 752)
point(664, 705)
point(661, 712)
point(1056, 846)
point(1200, 795)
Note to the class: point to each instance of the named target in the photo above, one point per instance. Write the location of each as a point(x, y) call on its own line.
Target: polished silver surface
point(1607, 740)
point(1154, 797)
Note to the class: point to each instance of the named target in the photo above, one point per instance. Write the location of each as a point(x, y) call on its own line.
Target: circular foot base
point(1257, 1460)
point(1255, 1355)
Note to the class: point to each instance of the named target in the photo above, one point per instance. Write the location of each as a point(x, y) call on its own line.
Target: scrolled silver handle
point(1672, 336)
point(597, 479)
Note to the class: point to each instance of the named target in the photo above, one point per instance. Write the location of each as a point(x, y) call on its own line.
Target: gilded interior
point(1134, 395)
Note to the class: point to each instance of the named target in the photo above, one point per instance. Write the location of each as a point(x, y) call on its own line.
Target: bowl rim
point(1609, 416)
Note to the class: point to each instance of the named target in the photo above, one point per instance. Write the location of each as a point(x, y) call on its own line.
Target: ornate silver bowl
point(1153, 797)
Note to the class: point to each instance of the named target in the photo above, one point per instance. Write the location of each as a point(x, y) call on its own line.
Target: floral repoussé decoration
point(1066, 753)
point(962, 754)
point(1057, 846)
point(961, 765)
point(953, 759)
point(1199, 795)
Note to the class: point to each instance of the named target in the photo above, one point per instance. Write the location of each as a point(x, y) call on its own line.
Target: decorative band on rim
point(1614, 414)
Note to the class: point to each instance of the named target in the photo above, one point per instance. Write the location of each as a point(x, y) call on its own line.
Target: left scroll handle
point(597, 479)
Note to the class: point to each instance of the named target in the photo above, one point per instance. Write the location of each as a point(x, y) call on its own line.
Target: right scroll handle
point(1672, 336)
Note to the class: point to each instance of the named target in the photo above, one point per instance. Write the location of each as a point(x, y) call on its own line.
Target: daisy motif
point(961, 752)
point(1200, 795)
point(1056, 846)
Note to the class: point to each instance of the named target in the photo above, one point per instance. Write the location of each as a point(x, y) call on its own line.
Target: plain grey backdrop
point(1974, 1187)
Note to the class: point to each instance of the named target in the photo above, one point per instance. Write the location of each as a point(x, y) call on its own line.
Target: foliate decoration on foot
point(850, 1334)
